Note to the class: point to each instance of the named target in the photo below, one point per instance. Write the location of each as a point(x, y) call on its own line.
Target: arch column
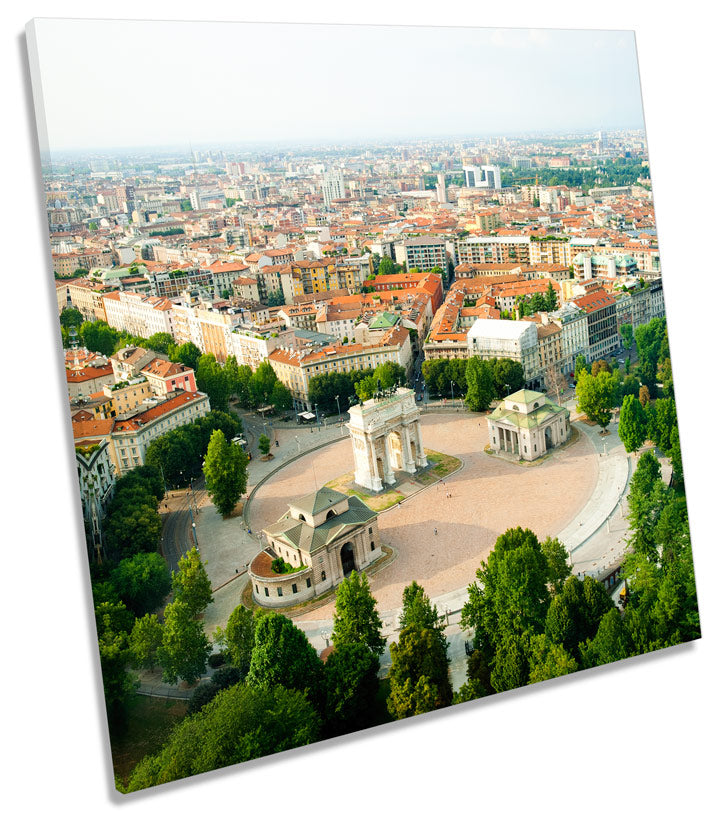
point(409, 462)
point(374, 474)
point(420, 458)
point(387, 463)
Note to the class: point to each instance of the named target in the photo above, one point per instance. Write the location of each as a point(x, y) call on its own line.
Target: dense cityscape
point(271, 351)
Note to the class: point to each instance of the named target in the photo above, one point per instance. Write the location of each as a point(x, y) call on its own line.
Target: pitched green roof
point(383, 320)
point(525, 396)
point(533, 419)
point(310, 539)
point(318, 501)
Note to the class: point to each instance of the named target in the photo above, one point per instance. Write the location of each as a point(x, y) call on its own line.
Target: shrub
point(216, 660)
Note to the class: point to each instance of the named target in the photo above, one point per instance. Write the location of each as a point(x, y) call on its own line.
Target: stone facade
point(324, 537)
point(527, 424)
point(386, 438)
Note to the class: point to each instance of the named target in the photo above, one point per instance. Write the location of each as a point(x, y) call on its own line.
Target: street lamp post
point(337, 398)
point(452, 393)
point(194, 533)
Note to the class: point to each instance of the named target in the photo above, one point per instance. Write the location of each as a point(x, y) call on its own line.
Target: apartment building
point(138, 315)
point(601, 311)
point(516, 340)
point(128, 437)
point(252, 344)
point(423, 253)
point(494, 250)
point(295, 368)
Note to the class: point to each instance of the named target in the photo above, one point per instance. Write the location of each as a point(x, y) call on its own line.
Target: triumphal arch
point(386, 438)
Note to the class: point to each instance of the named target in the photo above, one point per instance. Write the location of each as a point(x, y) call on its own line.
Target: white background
point(638, 739)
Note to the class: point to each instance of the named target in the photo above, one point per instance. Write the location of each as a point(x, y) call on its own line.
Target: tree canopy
point(225, 473)
point(240, 723)
point(191, 584)
point(356, 620)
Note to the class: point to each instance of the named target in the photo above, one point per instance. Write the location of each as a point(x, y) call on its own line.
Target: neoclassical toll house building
point(386, 438)
point(324, 536)
point(527, 424)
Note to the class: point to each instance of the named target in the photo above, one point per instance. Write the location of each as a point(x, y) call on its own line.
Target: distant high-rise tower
point(600, 144)
point(333, 186)
point(440, 189)
point(483, 176)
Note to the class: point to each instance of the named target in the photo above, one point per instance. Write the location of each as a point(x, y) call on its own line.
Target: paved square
point(469, 510)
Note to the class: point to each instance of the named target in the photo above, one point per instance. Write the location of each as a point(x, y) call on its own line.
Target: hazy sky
point(113, 83)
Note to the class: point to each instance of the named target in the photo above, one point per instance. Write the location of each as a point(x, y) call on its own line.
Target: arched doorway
point(548, 438)
point(396, 454)
point(347, 559)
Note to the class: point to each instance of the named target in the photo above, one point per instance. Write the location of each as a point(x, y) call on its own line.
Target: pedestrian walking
point(435, 531)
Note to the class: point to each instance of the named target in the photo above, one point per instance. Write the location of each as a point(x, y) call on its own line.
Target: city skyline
point(581, 81)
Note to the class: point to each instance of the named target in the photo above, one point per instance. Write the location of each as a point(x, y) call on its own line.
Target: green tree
point(366, 388)
point(264, 444)
point(188, 354)
point(351, 688)
point(645, 500)
point(283, 656)
point(665, 376)
point(558, 567)
point(98, 337)
point(261, 384)
point(281, 397)
point(356, 620)
point(213, 381)
point(389, 374)
point(596, 396)
point(664, 421)
point(510, 668)
point(113, 616)
point(626, 333)
point(241, 723)
point(508, 376)
point(131, 529)
point(548, 660)
point(575, 613)
point(550, 298)
point(225, 472)
point(142, 581)
point(632, 428)
point(580, 366)
point(417, 610)
point(419, 677)
point(239, 637)
point(600, 366)
point(70, 317)
point(145, 640)
point(115, 656)
point(609, 644)
point(185, 649)
point(512, 594)
point(434, 372)
point(480, 384)
point(160, 342)
point(191, 584)
point(386, 266)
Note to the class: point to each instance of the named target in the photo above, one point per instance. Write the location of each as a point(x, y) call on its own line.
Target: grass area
point(149, 723)
point(442, 466)
point(377, 502)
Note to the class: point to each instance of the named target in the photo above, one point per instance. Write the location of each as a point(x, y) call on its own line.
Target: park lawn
point(149, 723)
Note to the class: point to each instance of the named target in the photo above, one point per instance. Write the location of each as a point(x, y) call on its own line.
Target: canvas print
point(368, 372)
